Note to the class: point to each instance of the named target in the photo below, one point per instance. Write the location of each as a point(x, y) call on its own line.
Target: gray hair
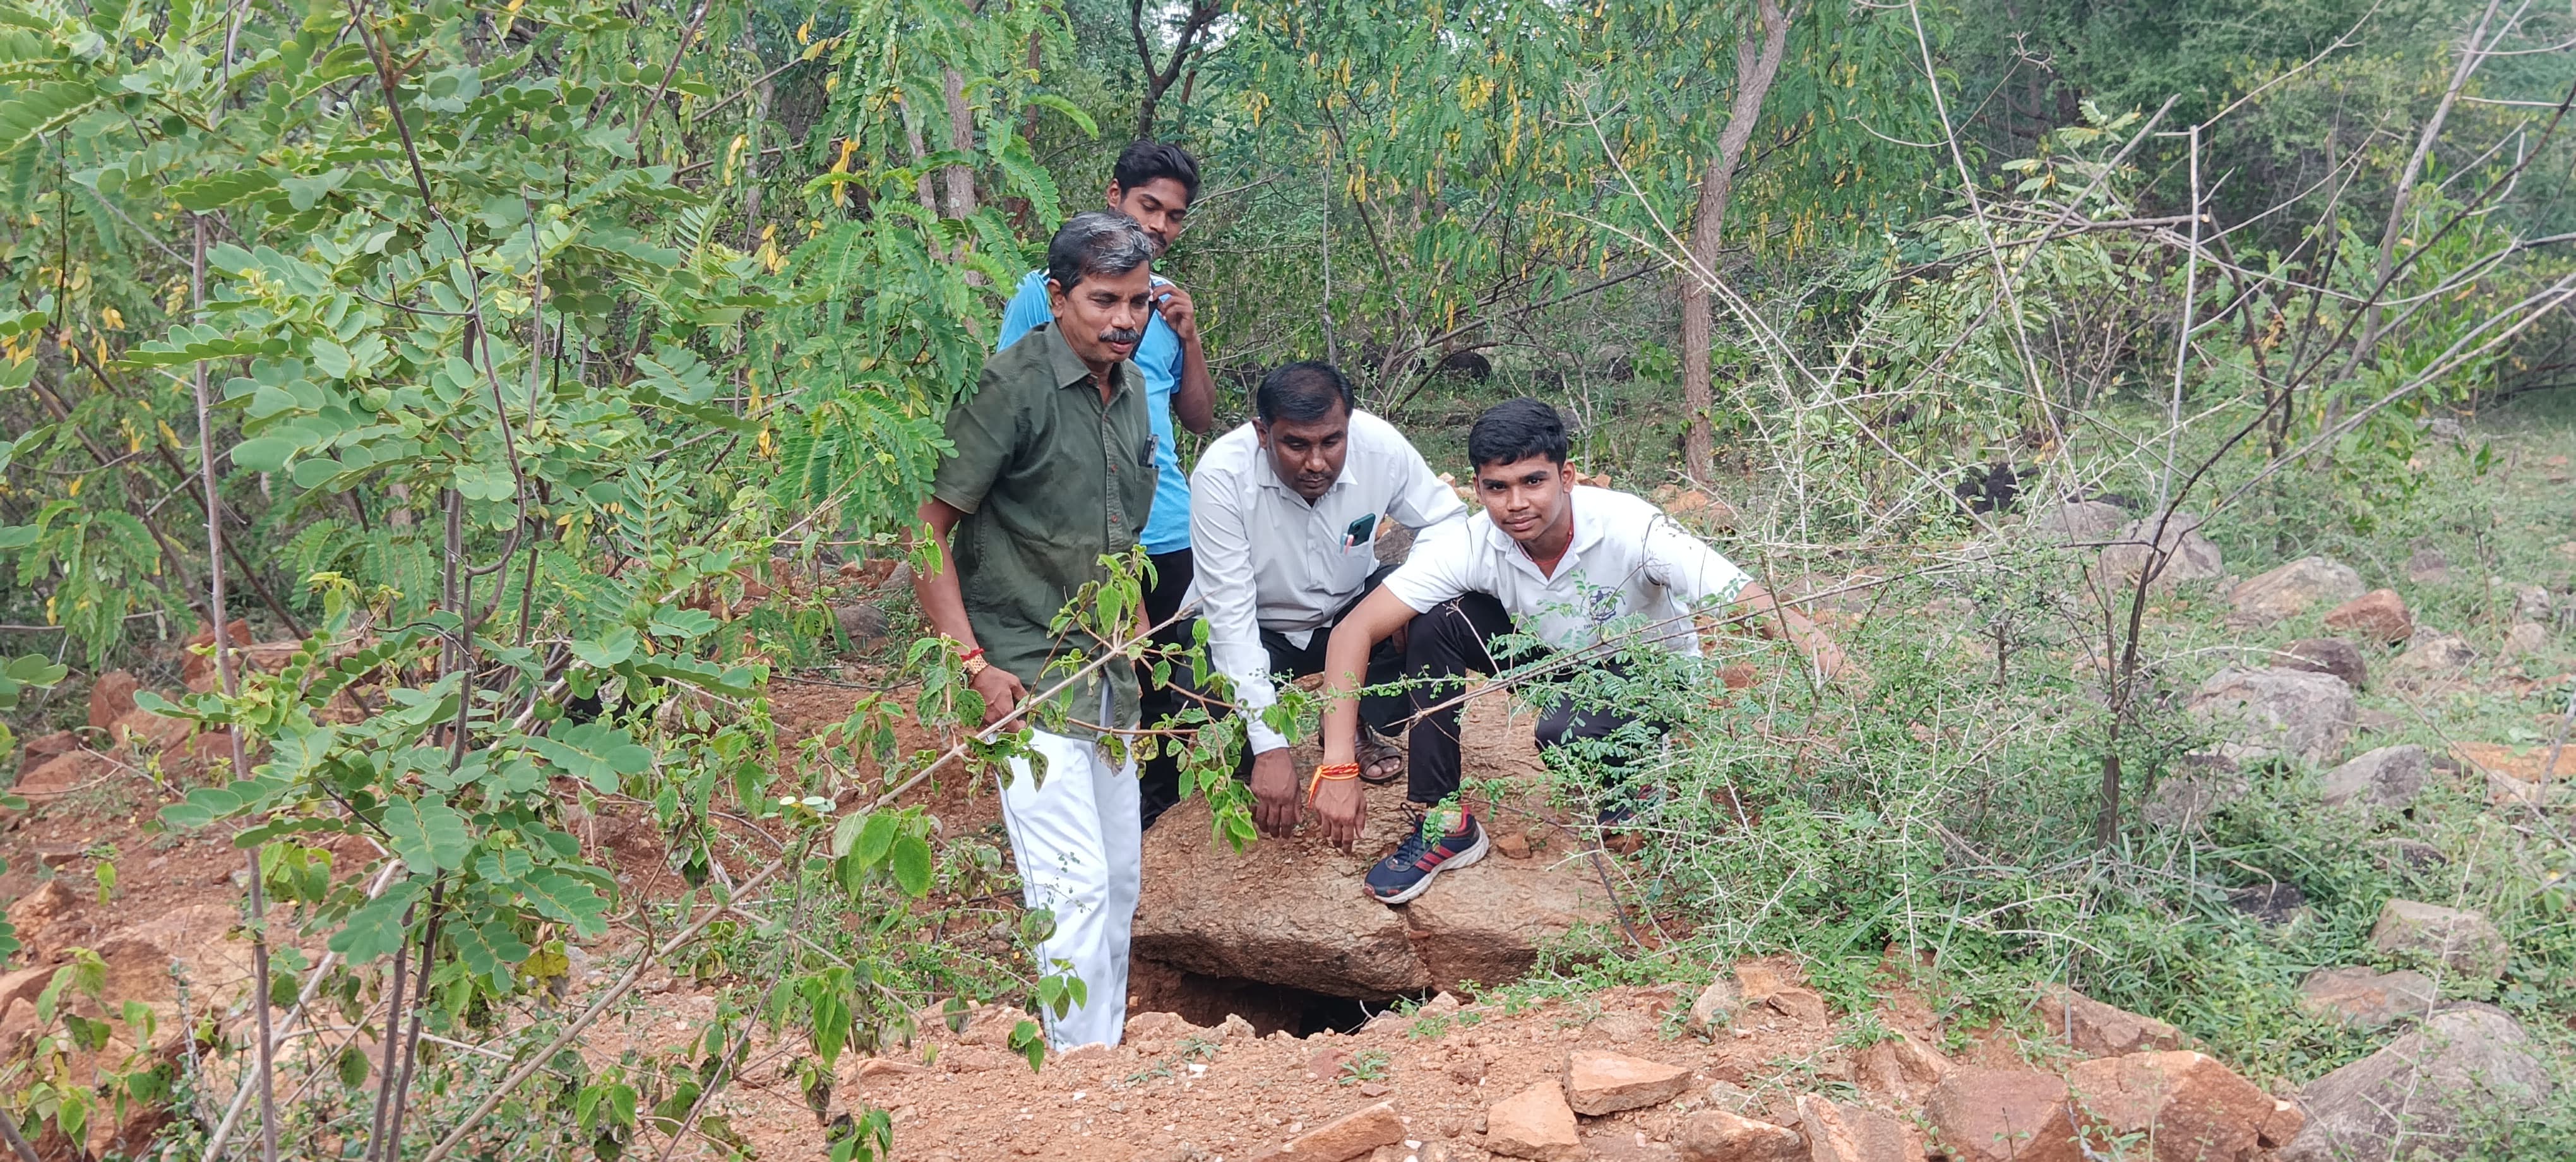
point(1099, 242)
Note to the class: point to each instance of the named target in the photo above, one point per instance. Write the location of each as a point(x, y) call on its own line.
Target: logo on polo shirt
point(1605, 605)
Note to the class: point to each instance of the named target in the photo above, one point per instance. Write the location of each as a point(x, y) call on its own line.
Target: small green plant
point(1365, 1065)
point(1195, 1047)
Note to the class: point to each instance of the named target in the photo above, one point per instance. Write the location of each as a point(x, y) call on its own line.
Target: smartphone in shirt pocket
point(1361, 532)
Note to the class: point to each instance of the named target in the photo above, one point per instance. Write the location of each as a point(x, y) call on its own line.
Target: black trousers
point(1452, 640)
point(1161, 775)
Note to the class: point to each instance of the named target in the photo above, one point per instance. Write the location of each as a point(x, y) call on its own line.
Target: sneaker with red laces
point(1408, 872)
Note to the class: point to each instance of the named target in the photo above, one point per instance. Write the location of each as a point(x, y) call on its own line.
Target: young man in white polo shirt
point(1563, 561)
point(1284, 513)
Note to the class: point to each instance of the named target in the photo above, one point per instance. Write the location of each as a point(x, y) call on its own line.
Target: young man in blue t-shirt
point(1154, 183)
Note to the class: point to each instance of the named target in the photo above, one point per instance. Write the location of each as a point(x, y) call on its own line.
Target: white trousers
point(1081, 855)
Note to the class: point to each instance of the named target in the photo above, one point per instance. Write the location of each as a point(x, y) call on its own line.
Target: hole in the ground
point(1155, 987)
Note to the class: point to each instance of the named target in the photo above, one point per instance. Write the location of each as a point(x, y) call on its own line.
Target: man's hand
point(1342, 806)
point(1178, 313)
point(1274, 793)
point(1002, 692)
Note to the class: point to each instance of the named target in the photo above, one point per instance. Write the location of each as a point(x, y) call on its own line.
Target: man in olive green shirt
point(1054, 467)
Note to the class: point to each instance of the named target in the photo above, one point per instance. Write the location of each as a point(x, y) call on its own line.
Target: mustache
point(1122, 335)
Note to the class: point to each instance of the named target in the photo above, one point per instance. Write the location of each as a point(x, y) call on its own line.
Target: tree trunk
point(961, 136)
point(1159, 80)
point(1757, 65)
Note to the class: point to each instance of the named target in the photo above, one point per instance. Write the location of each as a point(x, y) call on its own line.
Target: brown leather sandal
point(1374, 749)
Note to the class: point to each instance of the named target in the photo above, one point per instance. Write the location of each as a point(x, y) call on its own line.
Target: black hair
point(1103, 242)
point(1303, 393)
point(1515, 430)
point(1144, 161)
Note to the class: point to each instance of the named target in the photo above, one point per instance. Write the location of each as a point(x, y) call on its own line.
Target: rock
point(2388, 777)
point(863, 624)
point(111, 698)
point(1345, 1137)
point(2531, 603)
point(1487, 923)
point(2520, 763)
point(2527, 639)
point(1846, 1133)
point(1901, 1067)
point(64, 773)
point(2379, 615)
point(2427, 566)
point(1510, 844)
point(2326, 655)
point(2465, 941)
point(2081, 522)
point(1292, 912)
point(143, 728)
point(2423, 1089)
point(48, 904)
point(45, 748)
point(1756, 982)
point(1715, 1007)
point(1535, 1124)
point(2268, 713)
point(2183, 1106)
point(864, 1069)
point(2190, 556)
point(2436, 653)
point(2002, 1115)
point(2412, 854)
point(1599, 1083)
point(2293, 589)
point(198, 669)
point(2205, 784)
point(2272, 903)
point(1719, 1136)
point(1799, 1005)
point(1829, 1138)
point(2091, 1027)
point(2365, 998)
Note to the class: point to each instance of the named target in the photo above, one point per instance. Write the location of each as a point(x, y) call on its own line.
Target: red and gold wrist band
point(1331, 773)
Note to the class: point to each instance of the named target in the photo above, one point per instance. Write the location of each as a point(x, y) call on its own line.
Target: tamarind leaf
point(428, 834)
point(567, 898)
point(489, 948)
point(378, 929)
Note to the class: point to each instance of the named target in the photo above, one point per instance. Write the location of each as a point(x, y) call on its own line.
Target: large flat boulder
point(2186, 555)
point(2092, 1027)
point(2179, 1106)
point(2380, 615)
point(1294, 912)
point(2002, 1115)
point(1288, 912)
point(2390, 776)
point(2460, 939)
point(2294, 589)
point(2270, 713)
point(2367, 998)
point(2424, 1095)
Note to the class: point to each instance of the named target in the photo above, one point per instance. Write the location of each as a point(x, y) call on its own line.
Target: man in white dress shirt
point(1284, 514)
point(1564, 562)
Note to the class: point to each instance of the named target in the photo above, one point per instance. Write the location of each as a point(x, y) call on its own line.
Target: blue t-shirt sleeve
point(1028, 309)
